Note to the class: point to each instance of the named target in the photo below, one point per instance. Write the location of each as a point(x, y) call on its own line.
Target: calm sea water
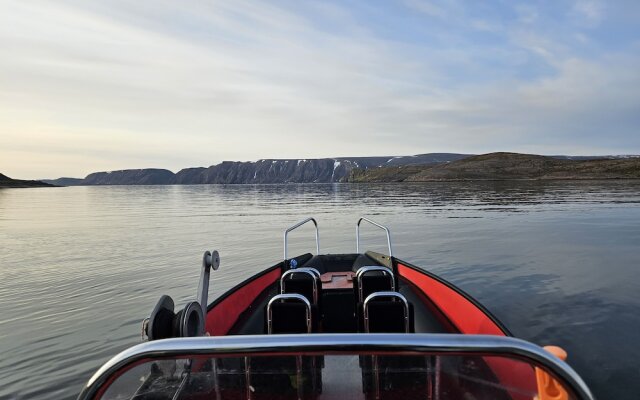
point(80, 267)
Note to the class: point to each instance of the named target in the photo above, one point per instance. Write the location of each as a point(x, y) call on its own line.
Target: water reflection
point(435, 195)
point(80, 267)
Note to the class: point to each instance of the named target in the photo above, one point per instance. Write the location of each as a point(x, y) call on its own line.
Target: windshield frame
point(383, 343)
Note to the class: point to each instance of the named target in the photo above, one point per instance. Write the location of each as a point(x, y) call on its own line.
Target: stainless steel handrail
point(297, 226)
point(434, 344)
point(312, 272)
point(375, 224)
point(288, 296)
point(372, 268)
point(393, 295)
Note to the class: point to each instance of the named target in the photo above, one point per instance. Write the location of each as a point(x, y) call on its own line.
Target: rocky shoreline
point(431, 167)
point(6, 182)
point(506, 166)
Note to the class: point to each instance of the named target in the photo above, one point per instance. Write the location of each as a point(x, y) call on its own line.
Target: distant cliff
point(422, 167)
point(148, 176)
point(507, 166)
point(64, 181)
point(323, 170)
point(318, 170)
point(6, 182)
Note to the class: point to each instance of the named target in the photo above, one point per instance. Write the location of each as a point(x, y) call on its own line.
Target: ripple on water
point(80, 267)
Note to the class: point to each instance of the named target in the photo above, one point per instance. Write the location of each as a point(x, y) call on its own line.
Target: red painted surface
point(224, 315)
point(470, 319)
point(461, 312)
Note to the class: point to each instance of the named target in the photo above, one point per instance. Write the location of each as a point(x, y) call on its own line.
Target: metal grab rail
point(373, 268)
point(391, 295)
point(430, 344)
point(312, 272)
point(297, 226)
point(284, 297)
point(375, 224)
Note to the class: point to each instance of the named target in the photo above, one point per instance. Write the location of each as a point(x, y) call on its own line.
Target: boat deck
point(338, 300)
point(342, 372)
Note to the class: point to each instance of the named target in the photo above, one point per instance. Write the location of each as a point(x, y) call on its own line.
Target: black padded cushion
point(372, 282)
point(302, 285)
point(385, 316)
point(332, 262)
point(289, 317)
point(338, 309)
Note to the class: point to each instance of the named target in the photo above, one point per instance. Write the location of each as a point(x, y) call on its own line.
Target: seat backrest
point(371, 279)
point(386, 377)
point(387, 312)
point(285, 377)
point(289, 313)
point(303, 281)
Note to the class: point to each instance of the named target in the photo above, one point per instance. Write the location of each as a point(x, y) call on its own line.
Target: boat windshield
point(438, 367)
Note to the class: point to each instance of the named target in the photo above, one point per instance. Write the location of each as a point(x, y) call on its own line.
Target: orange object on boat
point(549, 388)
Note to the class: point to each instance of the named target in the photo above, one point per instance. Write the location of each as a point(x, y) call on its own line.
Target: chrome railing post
point(362, 271)
point(312, 272)
point(285, 297)
point(296, 226)
point(377, 225)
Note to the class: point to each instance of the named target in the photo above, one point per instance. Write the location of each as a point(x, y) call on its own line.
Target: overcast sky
point(91, 85)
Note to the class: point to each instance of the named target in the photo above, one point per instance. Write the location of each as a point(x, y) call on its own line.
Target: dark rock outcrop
point(270, 171)
point(190, 176)
point(507, 166)
point(64, 181)
point(148, 176)
point(432, 166)
point(320, 170)
point(6, 182)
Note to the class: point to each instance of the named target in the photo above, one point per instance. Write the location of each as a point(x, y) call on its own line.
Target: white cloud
point(119, 84)
point(590, 11)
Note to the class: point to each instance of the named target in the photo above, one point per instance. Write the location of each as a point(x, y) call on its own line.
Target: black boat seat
point(387, 312)
point(371, 279)
point(304, 281)
point(368, 280)
point(285, 377)
point(388, 376)
point(289, 313)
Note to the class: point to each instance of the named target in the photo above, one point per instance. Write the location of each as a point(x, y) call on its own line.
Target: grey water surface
point(557, 262)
